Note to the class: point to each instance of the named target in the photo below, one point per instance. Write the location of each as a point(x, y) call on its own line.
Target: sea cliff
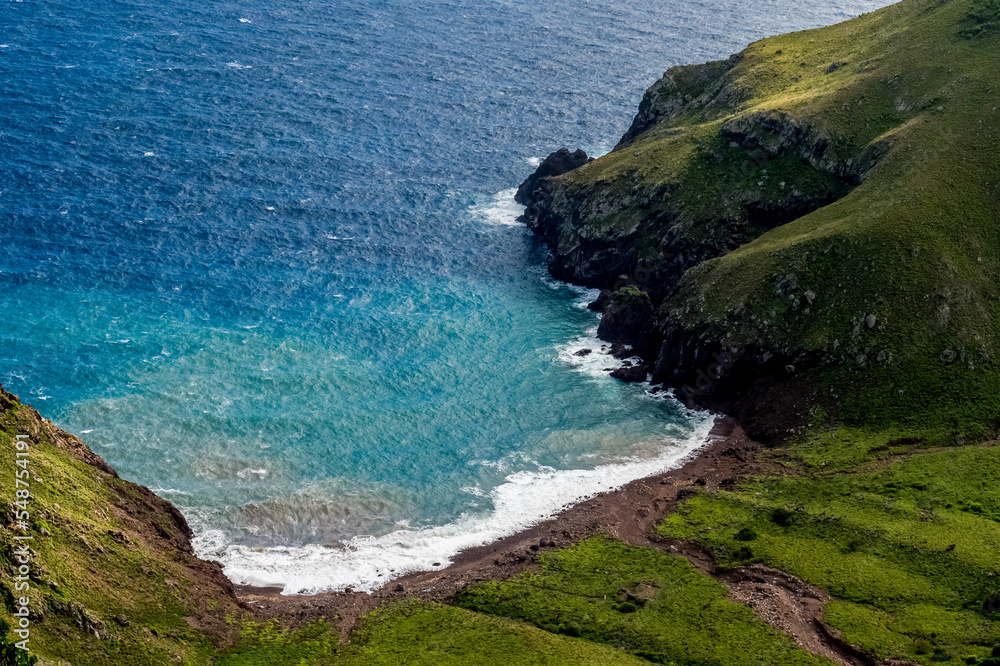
point(804, 235)
point(811, 221)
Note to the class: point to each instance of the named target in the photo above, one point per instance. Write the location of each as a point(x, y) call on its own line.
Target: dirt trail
point(628, 514)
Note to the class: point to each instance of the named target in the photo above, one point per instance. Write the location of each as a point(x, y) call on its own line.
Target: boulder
point(628, 316)
point(631, 373)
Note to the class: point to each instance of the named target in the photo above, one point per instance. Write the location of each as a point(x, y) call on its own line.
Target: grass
point(262, 644)
point(912, 245)
point(907, 545)
point(421, 633)
point(99, 559)
point(646, 602)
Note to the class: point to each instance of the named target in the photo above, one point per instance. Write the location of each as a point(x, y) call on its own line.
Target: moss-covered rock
point(628, 317)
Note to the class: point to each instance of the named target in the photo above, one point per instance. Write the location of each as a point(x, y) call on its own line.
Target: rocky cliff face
point(724, 187)
point(786, 210)
point(632, 234)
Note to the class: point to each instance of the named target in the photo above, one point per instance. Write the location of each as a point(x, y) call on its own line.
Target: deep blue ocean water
point(262, 257)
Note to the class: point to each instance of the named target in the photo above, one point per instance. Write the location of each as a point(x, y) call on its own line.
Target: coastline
point(839, 497)
point(628, 514)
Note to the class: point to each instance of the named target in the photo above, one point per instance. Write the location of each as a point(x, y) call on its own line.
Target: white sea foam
point(245, 473)
point(598, 362)
point(367, 562)
point(502, 211)
point(535, 161)
point(587, 296)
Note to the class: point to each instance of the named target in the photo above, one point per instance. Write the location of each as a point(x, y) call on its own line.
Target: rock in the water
point(631, 373)
point(555, 164)
point(602, 301)
point(627, 317)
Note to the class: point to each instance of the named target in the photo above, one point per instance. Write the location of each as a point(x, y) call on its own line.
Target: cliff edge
point(106, 566)
point(813, 221)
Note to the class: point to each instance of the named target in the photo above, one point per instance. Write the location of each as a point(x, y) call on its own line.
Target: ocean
point(263, 258)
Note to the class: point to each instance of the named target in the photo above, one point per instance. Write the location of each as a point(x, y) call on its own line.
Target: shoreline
point(628, 513)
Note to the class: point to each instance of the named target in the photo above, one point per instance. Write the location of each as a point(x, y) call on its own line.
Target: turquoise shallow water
point(263, 258)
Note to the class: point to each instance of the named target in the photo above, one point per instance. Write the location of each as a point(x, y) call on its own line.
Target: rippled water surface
point(262, 257)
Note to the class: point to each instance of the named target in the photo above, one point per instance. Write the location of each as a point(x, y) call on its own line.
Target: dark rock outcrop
point(631, 373)
point(629, 318)
point(772, 134)
point(767, 170)
point(556, 164)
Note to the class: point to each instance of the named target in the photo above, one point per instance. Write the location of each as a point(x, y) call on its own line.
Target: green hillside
point(805, 234)
point(825, 200)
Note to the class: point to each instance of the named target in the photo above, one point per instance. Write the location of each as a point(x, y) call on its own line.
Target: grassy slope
point(906, 544)
point(915, 244)
point(108, 552)
point(649, 603)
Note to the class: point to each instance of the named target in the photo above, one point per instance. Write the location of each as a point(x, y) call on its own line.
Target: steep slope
point(111, 575)
point(814, 220)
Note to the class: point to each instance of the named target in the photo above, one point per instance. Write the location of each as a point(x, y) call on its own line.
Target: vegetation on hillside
point(110, 580)
point(906, 544)
point(827, 200)
point(824, 201)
